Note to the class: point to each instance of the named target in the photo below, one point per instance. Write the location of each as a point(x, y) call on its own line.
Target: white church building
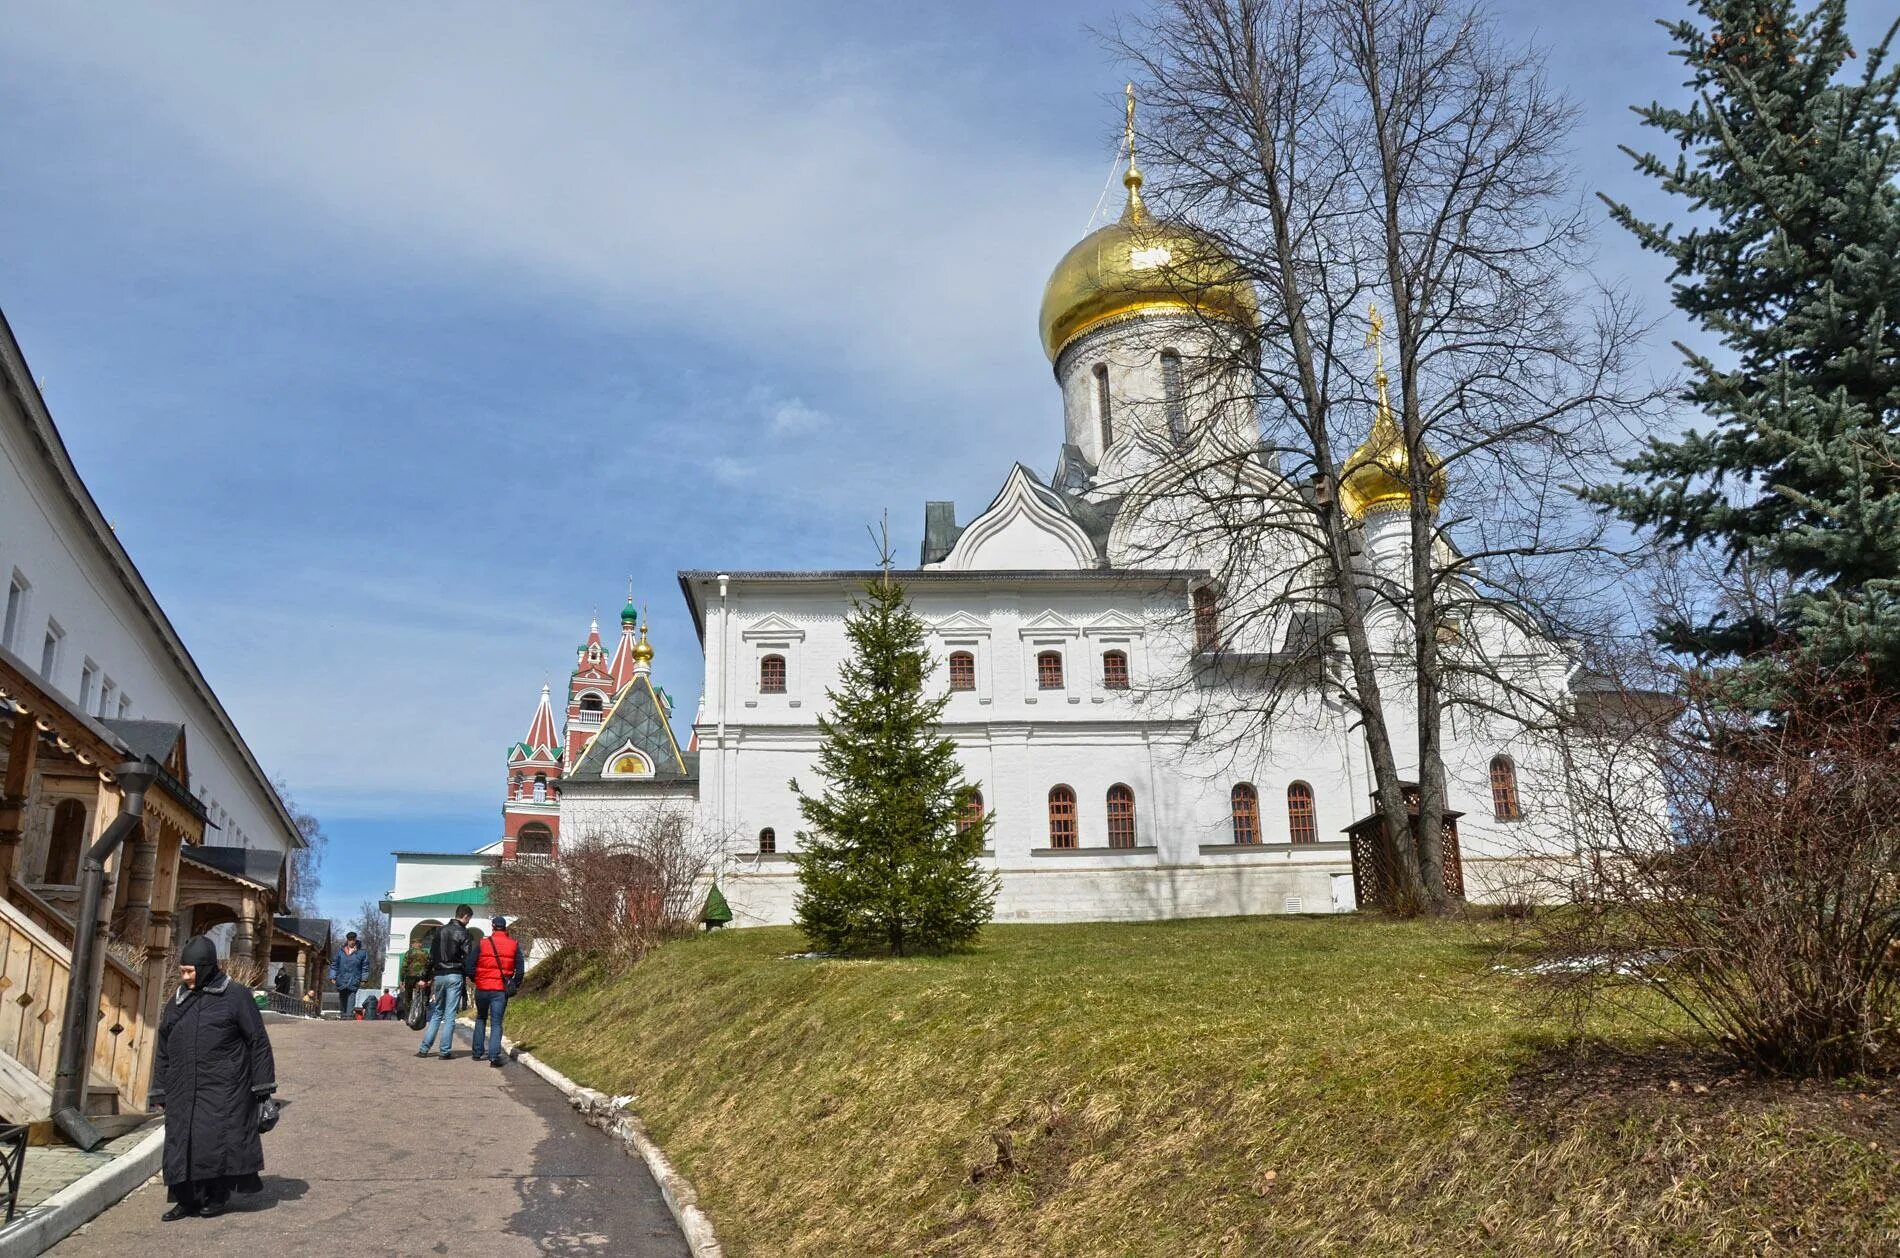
point(1105, 650)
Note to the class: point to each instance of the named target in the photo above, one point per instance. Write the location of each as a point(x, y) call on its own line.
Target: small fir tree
point(1796, 270)
point(889, 860)
point(717, 912)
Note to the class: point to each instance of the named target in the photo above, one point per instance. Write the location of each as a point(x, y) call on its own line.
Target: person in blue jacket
point(348, 969)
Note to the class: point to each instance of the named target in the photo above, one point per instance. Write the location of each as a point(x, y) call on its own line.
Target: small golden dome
point(643, 650)
point(1139, 264)
point(1378, 475)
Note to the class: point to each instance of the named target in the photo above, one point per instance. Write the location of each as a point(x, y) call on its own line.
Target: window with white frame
point(88, 682)
point(125, 707)
point(108, 693)
point(16, 611)
point(49, 650)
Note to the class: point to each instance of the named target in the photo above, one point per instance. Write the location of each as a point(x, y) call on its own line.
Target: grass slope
point(1238, 1086)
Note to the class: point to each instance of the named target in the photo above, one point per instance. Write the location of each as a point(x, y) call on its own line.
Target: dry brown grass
point(1256, 1086)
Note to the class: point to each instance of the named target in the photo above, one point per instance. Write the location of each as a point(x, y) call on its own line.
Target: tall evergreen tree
point(1790, 166)
point(885, 863)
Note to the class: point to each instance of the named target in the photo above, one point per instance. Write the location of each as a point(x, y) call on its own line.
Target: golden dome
point(643, 650)
point(1139, 264)
point(1378, 476)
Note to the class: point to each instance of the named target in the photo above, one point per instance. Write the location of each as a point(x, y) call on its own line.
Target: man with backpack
point(449, 954)
point(498, 969)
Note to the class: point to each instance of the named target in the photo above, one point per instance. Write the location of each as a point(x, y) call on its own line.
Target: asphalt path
point(382, 1152)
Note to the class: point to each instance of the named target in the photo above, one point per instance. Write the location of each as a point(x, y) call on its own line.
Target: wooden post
point(22, 755)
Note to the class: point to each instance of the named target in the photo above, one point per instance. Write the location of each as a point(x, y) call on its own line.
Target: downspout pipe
point(82, 993)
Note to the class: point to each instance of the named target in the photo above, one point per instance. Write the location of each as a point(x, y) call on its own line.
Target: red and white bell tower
point(531, 817)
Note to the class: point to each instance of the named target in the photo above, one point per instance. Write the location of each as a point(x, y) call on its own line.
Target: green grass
point(1236, 1086)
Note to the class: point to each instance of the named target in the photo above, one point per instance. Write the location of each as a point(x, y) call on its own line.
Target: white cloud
point(793, 418)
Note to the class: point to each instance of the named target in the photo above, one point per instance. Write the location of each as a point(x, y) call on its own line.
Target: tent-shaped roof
point(638, 720)
point(252, 864)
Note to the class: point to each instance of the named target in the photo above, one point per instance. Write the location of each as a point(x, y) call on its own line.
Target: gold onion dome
point(642, 650)
point(1378, 475)
point(1140, 264)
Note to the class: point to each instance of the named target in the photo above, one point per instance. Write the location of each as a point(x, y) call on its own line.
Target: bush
point(1768, 909)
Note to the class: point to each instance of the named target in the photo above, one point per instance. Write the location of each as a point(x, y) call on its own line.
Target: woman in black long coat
point(212, 1070)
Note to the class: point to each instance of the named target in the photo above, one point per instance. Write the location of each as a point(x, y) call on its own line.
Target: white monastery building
point(1152, 709)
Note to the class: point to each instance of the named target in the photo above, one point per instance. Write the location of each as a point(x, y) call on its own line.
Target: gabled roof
point(541, 735)
point(621, 668)
point(638, 720)
point(258, 866)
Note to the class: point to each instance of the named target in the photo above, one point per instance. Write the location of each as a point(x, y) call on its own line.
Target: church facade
point(1154, 712)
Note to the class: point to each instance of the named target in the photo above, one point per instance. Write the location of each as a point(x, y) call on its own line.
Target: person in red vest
point(385, 1006)
point(498, 968)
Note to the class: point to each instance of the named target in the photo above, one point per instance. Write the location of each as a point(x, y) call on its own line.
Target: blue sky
point(431, 324)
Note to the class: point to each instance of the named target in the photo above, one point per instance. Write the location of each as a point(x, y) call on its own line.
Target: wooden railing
point(34, 972)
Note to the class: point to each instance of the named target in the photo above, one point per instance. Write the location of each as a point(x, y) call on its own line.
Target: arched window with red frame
point(962, 670)
point(1246, 802)
point(772, 675)
point(972, 812)
point(1301, 822)
point(768, 841)
point(1115, 670)
point(1206, 621)
point(1049, 670)
point(1504, 802)
point(1062, 829)
point(1121, 816)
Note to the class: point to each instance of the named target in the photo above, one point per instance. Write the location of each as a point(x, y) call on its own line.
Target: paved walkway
point(381, 1152)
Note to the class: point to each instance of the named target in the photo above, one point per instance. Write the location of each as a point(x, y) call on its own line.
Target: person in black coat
point(212, 1071)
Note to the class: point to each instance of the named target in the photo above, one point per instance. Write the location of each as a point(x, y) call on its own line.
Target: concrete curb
point(613, 1116)
point(37, 1230)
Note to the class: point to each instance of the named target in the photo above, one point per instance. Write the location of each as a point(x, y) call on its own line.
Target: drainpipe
point(725, 665)
point(81, 1014)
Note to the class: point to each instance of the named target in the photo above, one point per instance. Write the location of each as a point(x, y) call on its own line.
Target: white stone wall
point(72, 581)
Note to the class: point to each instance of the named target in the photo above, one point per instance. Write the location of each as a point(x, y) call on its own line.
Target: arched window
point(1115, 670)
point(1504, 789)
point(534, 839)
point(1062, 831)
point(1206, 620)
point(590, 703)
point(1301, 824)
point(768, 841)
point(1102, 411)
point(1246, 813)
point(514, 787)
point(1049, 670)
point(962, 670)
point(1171, 396)
point(540, 788)
point(68, 840)
point(972, 812)
point(772, 675)
point(1121, 816)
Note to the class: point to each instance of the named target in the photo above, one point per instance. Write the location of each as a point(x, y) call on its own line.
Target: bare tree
point(1346, 156)
point(616, 891)
point(306, 862)
point(372, 932)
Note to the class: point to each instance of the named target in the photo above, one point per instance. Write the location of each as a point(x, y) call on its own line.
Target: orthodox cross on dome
point(1375, 340)
point(1136, 211)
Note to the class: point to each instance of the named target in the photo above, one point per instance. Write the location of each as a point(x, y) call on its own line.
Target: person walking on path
point(417, 969)
point(385, 1006)
point(348, 969)
point(448, 955)
point(497, 977)
point(212, 1071)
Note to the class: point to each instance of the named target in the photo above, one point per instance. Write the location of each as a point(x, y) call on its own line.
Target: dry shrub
point(612, 893)
point(1766, 905)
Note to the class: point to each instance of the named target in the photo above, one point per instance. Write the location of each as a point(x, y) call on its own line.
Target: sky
point(431, 325)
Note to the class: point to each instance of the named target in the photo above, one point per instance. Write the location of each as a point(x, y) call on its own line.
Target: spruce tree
point(885, 862)
point(1788, 160)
